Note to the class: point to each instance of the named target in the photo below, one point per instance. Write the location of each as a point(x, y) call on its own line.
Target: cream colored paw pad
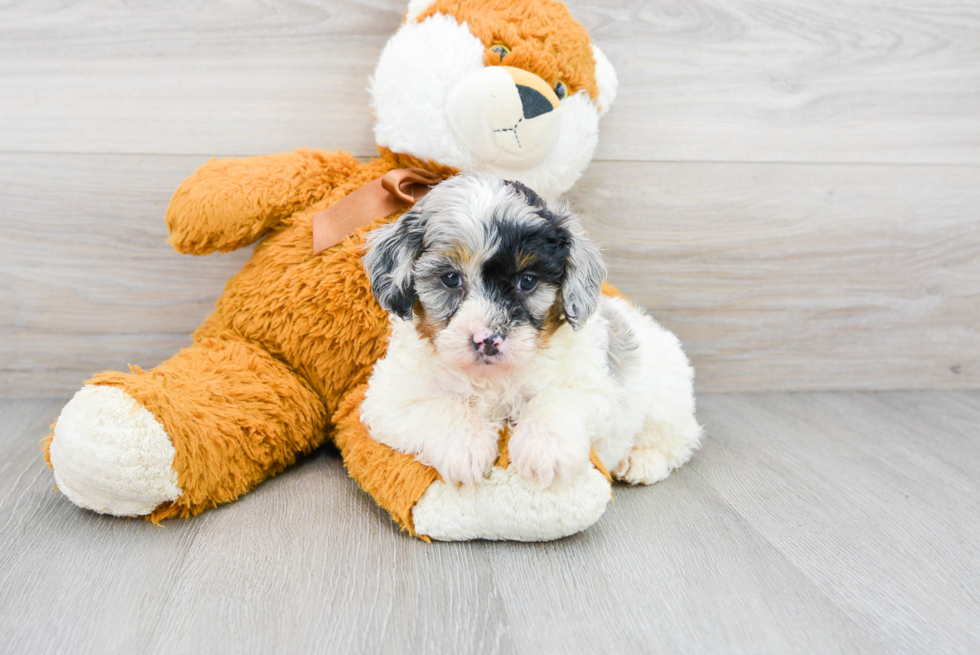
point(109, 454)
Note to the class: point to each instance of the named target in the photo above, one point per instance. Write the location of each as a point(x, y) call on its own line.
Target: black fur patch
point(545, 244)
point(530, 197)
point(402, 241)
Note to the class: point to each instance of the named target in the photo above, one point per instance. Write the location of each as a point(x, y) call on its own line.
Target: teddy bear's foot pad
point(508, 507)
point(109, 454)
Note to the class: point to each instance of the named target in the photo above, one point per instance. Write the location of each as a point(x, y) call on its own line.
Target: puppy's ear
point(584, 273)
point(393, 249)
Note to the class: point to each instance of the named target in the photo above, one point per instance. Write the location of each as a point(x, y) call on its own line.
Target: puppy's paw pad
point(547, 457)
point(643, 466)
point(468, 465)
point(462, 471)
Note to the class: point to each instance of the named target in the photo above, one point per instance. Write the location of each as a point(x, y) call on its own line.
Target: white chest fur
point(412, 386)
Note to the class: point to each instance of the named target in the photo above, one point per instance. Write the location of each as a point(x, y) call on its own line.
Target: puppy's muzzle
point(507, 116)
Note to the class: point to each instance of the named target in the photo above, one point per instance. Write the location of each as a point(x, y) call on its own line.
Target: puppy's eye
point(452, 280)
point(561, 90)
point(500, 49)
point(527, 283)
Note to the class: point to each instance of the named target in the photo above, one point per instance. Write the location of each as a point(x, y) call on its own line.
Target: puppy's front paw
point(466, 458)
point(547, 453)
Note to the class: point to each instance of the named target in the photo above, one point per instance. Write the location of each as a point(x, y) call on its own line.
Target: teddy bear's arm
point(230, 203)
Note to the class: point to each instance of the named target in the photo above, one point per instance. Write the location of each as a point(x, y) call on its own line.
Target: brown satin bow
point(397, 189)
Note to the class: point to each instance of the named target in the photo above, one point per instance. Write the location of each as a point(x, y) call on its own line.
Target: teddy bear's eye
point(561, 90)
point(500, 49)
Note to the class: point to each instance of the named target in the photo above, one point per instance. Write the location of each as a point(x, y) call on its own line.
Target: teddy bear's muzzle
point(507, 117)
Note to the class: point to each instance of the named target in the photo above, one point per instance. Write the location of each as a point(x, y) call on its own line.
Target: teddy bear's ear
point(393, 249)
point(605, 79)
point(415, 9)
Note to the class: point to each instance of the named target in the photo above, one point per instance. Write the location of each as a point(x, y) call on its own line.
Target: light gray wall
point(793, 187)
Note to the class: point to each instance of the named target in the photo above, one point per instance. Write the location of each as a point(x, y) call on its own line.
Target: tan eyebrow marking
point(460, 253)
point(525, 259)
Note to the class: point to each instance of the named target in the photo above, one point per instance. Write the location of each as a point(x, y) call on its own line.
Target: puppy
point(497, 320)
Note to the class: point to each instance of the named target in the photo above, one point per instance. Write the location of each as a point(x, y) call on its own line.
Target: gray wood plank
point(801, 277)
point(671, 569)
point(71, 579)
point(791, 80)
point(326, 569)
point(809, 523)
point(854, 495)
point(711, 80)
point(87, 279)
point(776, 276)
point(189, 77)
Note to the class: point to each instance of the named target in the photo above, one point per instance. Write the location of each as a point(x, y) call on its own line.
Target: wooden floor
point(809, 523)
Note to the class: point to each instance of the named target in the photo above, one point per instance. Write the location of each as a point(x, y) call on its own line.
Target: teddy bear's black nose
point(533, 102)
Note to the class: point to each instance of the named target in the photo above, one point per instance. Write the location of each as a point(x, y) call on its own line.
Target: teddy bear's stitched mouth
point(514, 130)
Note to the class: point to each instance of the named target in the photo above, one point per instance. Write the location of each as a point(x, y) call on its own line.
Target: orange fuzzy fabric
point(394, 480)
point(542, 37)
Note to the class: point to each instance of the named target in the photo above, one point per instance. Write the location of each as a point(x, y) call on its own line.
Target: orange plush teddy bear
point(511, 88)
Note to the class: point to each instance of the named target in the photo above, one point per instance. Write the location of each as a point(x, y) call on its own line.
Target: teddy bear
point(515, 89)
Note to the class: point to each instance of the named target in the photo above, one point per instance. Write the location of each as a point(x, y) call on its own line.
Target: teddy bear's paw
point(643, 466)
point(109, 454)
point(509, 507)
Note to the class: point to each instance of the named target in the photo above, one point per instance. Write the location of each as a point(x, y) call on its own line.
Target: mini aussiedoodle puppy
point(498, 320)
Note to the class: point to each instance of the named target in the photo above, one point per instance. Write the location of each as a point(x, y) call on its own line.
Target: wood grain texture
point(777, 272)
point(808, 523)
point(87, 279)
point(775, 276)
point(800, 276)
point(864, 469)
point(796, 81)
point(707, 80)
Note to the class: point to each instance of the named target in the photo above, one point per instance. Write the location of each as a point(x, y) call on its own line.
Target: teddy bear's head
point(509, 87)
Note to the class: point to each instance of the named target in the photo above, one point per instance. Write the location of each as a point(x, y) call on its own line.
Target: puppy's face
point(485, 270)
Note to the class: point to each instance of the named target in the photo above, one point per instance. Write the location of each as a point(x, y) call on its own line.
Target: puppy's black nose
point(489, 345)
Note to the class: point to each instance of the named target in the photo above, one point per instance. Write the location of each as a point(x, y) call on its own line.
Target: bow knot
point(395, 190)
